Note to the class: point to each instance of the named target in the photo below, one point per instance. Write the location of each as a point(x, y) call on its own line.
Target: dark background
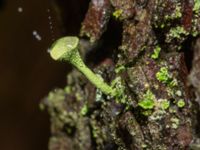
point(27, 73)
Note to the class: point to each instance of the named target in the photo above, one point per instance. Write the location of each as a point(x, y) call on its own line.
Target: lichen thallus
point(67, 49)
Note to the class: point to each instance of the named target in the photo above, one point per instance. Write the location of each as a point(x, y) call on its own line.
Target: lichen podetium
point(66, 49)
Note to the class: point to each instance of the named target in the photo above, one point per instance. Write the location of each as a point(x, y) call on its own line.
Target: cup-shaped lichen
point(67, 49)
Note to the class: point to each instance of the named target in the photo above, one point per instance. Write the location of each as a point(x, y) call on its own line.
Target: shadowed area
point(2, 3)
point(27, 29)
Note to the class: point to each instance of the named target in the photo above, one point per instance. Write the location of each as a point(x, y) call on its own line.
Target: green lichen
point(175, 122)
point(99, 96)
point(157, 115)
point(117, 13)
point(147, 101)
point(119, 69)
point(162, 25)
point(177, 32)
point(172, 110)
point(41, 106)
point(68, 89)
point(163, 75)
point(177, 13)
point(181, 103)
point(120, 96)
point(84, 110)
point(78, 96)
point(147, 112)
point(173, 83)
point(178, 93)
point(170, 91)
point(196, 7)
point(156, 52)
point(165, 104)
point(56, 96)
point(144, 145)
point(195, 31)
point(143, 48)
point(66, 48)
point(95, 131)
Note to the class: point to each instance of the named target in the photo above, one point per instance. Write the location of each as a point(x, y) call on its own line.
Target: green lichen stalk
point(66, 49)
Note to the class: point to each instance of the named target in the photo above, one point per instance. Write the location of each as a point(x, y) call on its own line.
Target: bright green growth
point(148, 100)
point(66, 48)
point(117, 13)
point(181, 103)
point(156, 52)
point(196, 8)
point(177, 32)
point(163, 75)
point(165, 104)
point(84, 110)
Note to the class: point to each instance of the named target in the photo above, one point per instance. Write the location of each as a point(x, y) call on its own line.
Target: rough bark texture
point(158, 109)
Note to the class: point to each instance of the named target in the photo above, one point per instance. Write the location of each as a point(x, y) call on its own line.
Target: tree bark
point(143, 45)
